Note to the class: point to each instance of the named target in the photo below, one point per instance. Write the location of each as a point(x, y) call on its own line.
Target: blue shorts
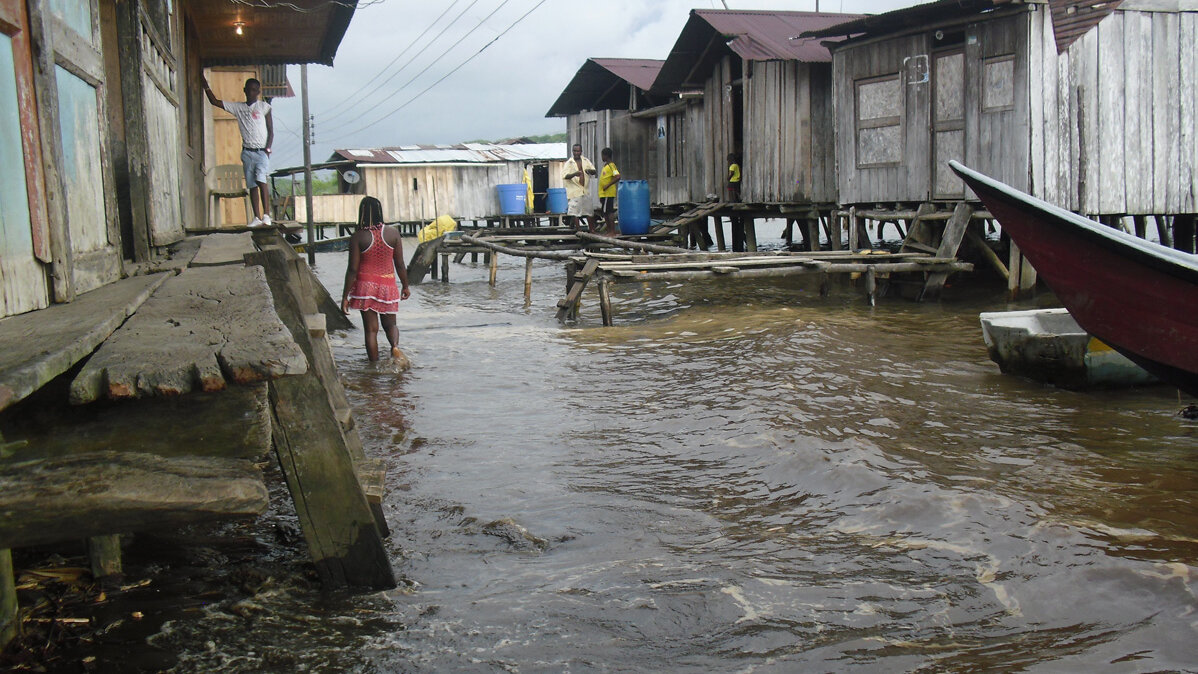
point(257, 167)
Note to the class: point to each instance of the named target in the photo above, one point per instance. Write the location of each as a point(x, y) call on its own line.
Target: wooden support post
point(105, 555)
point(1023, 276)
point(750, 234)
point(788, 231)
point(1163, 230)
point(527, 281)
point(812, 225)
point(605, 300)
point(853, 228)
point(871, 286)
point(1183, 232)
point(720, 244)
point(473, 258)
point(444, 267)
point(862, 233)
point(494, 268)
point(1141, 223)
point(823, 284)
point(8, 600)
point(988, 253)
point(950, 243)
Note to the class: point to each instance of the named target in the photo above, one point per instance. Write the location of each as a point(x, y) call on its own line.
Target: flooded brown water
point(738, 477)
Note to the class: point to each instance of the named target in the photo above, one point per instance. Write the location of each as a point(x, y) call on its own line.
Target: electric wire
point(446, 75)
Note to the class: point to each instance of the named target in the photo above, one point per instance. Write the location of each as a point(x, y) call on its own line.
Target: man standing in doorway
point(257, 135)
point(574, 174)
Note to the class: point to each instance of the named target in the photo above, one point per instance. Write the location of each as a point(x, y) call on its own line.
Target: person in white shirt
point(257, 134)
point(574, 177)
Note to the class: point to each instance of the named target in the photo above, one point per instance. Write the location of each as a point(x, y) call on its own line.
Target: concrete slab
point(223, 249)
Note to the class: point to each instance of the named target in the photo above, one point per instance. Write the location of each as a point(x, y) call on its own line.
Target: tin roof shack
point(609, 104)
point(417, 183)
point(748, 87)
point(102, 103)
point(1083, 103)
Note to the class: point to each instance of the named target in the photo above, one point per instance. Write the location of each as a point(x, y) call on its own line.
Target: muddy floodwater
point(736, 477)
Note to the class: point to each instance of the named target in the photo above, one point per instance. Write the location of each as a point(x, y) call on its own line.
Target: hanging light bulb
point(238, 27)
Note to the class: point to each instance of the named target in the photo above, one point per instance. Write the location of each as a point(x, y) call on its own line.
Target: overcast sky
point(411, 71)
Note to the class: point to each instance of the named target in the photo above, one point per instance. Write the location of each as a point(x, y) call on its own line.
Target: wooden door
point(23, 233)
point(948, 122)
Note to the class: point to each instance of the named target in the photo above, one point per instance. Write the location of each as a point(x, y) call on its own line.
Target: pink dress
point(374, 288)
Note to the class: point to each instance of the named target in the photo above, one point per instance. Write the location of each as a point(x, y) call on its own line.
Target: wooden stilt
point(494, 268)
point(1023, 276)
point(750, 234)
point(105, 555)
point(433, 269)
point(988, 253)
point(1141, 223)
point(824, 289)
point(567, 307)
point(853, 228)
point(605, 300)
point(1183, 232)
point(444, 267)
point(527, 280)
point(8, 600)
point(788, 231)
point(1163, 230)
point(871, 286)
point(812, 225)
point(720, 244)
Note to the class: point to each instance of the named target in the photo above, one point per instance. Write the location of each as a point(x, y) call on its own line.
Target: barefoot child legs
point(370, 326)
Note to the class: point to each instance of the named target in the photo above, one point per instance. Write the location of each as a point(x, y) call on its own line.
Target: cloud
point(502, 92)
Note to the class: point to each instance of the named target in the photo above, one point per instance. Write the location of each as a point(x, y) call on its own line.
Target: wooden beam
point(137, 144)
point(105, 555)
point(99, 493)
point(950, 243)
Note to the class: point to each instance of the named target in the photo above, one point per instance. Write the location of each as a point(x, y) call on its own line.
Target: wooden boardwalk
point(191, 377)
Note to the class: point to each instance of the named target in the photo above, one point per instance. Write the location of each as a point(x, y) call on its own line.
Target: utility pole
point(308, 164)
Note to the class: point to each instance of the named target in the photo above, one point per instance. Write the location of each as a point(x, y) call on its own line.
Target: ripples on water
point(744, 477)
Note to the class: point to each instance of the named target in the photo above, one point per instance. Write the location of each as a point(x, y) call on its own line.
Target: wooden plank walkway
point(200, 331)
point(38, 346)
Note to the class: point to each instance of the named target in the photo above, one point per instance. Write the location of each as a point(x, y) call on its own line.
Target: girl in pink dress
point(375, 259)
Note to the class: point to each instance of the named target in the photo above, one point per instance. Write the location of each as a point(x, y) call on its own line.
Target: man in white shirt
point(574, 176)
point(257, 134)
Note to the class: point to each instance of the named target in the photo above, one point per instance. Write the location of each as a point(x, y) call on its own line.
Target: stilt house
point(104, 146)
point(746, 85)
point(1087, 104)
point(609, 104)
point(417, 183)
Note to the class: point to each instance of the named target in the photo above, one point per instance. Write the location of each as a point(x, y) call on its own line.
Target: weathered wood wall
point(422, 192)
point(160, 98)
point(228, 85)
point(630, 138)
point(718, 131)
point(788, 150)
point(330, 208)
point(1115, 129)
point(679, 157)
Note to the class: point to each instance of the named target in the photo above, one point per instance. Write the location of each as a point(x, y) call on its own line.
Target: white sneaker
point(266, 220)
point(256, 222)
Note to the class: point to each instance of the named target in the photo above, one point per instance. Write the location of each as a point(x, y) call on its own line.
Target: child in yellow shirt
point(608, 179)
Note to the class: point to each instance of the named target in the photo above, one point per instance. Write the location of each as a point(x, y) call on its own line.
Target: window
point(879, 104)
point(998, 84)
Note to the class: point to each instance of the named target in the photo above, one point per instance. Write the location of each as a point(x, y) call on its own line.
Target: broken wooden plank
point(38, 346)
point(335, 319)
point(199, 331)
point(99, 493)
point(950, 243)
point(566, 305)
point(423, 259)
point(223, 249)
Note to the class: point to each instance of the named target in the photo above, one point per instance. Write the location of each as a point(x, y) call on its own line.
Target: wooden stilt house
point(747, 86)
point(1088, 104)
point(609, 104)
point(104, 148)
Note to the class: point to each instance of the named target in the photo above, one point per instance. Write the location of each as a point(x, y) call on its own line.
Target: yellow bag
point(439, 227)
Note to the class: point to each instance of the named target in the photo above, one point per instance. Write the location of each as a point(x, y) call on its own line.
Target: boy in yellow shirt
point(608, 179)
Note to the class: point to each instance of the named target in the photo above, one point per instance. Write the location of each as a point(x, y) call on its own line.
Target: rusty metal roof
point(711, 34)
point(467, 153)
point(1072, 19)
point(603, 84)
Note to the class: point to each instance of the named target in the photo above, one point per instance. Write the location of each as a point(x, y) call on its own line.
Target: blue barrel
point(511, 199)
point(632, 197)
point(557, 201)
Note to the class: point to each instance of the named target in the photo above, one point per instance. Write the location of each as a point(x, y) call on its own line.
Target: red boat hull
point(1139, 297)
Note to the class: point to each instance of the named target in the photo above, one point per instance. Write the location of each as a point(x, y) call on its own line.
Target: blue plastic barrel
point(511, 198)
point(632, 197)
point(557, 202)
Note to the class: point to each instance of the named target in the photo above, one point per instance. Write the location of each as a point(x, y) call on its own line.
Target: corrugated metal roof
point(1072, 19)
point(914, 17)
point(472, 153)
point(752, 35)
point(603, 84)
